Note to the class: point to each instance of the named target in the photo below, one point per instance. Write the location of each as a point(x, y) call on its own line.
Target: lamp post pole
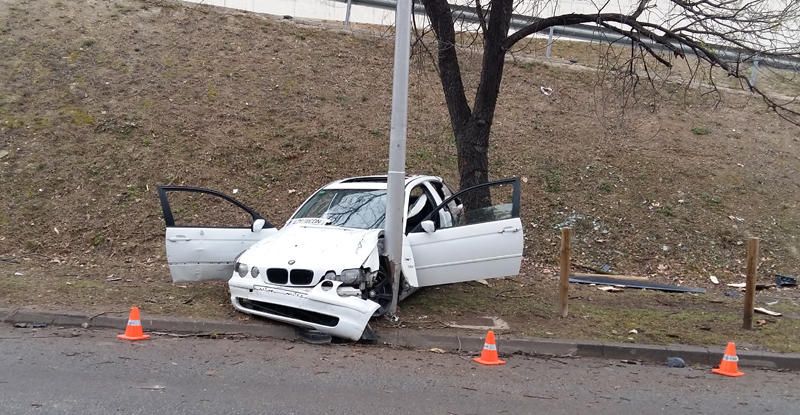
point(395, 200)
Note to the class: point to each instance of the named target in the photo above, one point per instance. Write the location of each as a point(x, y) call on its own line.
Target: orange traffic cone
point(729, 366)
point(489, 353)
point(134, 329)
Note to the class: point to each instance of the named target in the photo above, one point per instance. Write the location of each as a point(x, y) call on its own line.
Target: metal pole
point(395, 201)
point(549, 43)
point(347, 14)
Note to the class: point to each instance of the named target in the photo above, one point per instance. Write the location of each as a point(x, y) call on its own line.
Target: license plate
point(281, 291)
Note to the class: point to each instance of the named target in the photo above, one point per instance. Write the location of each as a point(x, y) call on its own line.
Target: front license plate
point(281, 291)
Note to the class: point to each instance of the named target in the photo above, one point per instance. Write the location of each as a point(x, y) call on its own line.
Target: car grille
point(301, 276)
point(295, 276)
point(277, 275)
point(290, 312)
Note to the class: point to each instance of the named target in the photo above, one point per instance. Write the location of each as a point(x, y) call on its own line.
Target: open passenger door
point(213, 229)
point(482, 238)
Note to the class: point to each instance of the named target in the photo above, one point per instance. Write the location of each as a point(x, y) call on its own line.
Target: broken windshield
point(350, 208)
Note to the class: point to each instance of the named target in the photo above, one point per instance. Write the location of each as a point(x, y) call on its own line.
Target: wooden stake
point(750, 282)
point(563, 283)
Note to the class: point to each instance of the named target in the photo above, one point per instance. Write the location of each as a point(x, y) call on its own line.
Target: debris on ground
point(603, 275)
point(609, 289)
point(675, 362)
point(742, 285)
point(546, 90)
point(314, 336)
point(763, 310)
point(785, 281)
point(437, 350)
point(30, 325)
point(153, 388)
point(629, 281)
point(714, 279)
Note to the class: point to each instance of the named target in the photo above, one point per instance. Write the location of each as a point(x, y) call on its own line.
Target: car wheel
point(381, 292)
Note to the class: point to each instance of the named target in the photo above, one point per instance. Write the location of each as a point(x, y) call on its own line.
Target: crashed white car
point(326, 269)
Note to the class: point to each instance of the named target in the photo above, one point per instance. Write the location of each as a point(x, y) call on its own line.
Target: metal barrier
point(587, 32)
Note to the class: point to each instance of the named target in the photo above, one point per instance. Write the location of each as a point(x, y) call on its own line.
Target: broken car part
point(633, 283)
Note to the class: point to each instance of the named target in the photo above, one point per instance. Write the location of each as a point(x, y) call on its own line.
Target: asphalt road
point(74, 371)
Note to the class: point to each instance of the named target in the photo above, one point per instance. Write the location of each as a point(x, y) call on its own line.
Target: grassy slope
point(98, 104)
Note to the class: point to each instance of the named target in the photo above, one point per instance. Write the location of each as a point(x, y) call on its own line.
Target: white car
point(326, 269)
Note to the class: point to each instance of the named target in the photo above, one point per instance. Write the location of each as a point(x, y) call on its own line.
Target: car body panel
point(205, 254)
point(467, 253)
point(315, 247)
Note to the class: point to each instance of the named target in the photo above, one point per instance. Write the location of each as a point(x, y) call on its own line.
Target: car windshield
point(350, 208)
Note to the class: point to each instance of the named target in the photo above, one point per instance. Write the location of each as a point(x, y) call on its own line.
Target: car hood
point(315, 247)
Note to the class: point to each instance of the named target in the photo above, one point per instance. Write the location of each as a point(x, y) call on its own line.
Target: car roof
point(373, 182)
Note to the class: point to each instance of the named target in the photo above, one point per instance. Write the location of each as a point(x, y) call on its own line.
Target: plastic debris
point(675, 362)
point(609, 289)
point(742, 285)
point(628, 282)
point(785, 281)
point(437, 350)
point(314, 336)
point(714, 279)
point(763, 310)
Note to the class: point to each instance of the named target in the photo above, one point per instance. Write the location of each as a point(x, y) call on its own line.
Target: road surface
point(71, 371)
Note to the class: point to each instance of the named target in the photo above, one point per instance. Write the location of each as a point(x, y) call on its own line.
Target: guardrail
point(587, 32)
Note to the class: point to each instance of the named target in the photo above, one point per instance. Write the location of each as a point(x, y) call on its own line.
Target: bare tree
point(660, 31)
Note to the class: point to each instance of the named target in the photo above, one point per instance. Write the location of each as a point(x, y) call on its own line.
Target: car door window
point(420, 205)
point(488, 202)
point(184, 206)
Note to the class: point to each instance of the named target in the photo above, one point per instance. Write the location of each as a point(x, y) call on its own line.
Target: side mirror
point(428, 226)
point(258, 225)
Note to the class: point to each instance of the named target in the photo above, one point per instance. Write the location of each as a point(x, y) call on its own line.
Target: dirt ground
point(100, 101)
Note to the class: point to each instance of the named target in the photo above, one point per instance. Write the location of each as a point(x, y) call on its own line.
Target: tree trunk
point(471, 127)
point(472, 147)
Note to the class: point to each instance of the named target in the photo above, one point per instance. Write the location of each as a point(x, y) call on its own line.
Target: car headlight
point(351, 276)
point(241, 269)
point(254, 272)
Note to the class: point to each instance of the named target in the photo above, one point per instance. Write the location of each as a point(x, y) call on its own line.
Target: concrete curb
point(417, 339)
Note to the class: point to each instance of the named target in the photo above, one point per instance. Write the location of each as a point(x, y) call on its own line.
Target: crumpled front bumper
point(320, 307)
